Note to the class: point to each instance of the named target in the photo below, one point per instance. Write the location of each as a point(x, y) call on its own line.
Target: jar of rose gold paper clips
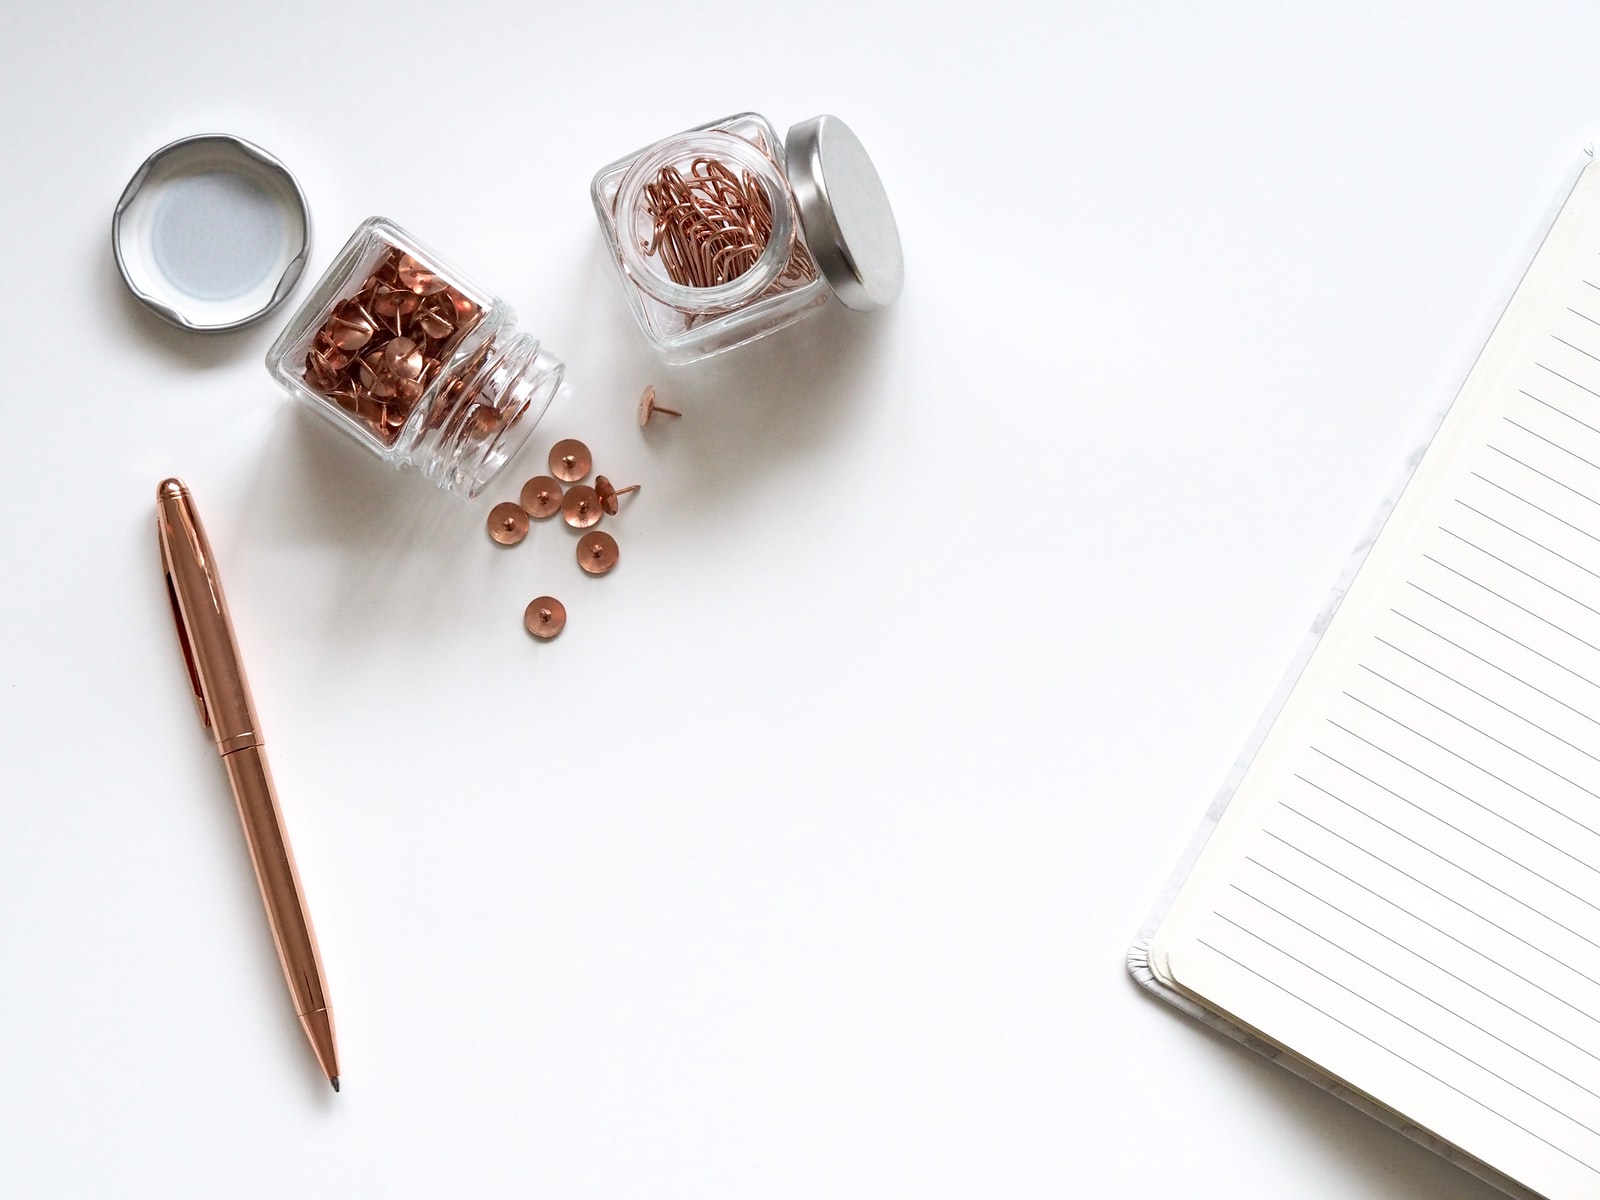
point(415, 361)
point(726, 233)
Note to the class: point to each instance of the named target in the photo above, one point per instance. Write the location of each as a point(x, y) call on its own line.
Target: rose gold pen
point(223, 698)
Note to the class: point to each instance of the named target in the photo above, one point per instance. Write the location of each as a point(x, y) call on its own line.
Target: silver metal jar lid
point(849, 225)
point(211, 232)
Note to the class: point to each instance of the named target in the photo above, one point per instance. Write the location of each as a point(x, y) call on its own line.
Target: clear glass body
point(739, 269)
point(415, 362)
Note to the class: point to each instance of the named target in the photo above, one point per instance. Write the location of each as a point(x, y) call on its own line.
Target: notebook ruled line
point(1457, 829)
point(1421, 920)
point(1483, 734)
point(1573, 382)
point(1476, 766)
point(1527, 1054)
point(1579, 349)
point(1486, 699)
point(1388, 1050)
point(1420, 957)
point(1511, 675)
point(1559, 628)
point(1470, 800)
point(1542, 582)
point(1464, 907)
point(1562, 411)
point(1495, 629)
point(1575, 528)
point(1398, 1019)
point(1536, 471)
point(1515, 899)
point(1554, 445)
point(1526, 537)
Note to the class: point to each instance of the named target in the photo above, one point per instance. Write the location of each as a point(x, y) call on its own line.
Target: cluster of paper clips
point(713, 225)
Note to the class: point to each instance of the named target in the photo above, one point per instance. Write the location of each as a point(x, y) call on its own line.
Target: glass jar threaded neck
point(486, 406)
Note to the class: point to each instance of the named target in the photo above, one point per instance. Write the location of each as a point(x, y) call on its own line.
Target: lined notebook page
point(1405, 889)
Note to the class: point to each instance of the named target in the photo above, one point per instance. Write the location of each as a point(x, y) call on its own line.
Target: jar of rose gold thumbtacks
point(415, 361)
point(726, 232)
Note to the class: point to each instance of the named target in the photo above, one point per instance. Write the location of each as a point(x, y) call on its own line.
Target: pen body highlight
point(216, 674)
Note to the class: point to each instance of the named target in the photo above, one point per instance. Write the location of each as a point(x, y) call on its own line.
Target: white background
point(804, 862)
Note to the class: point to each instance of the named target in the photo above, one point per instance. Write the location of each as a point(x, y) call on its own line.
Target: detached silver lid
point(849, 224)
point(211, 232)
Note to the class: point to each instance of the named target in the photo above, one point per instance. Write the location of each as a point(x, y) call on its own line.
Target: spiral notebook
point(1399, 893)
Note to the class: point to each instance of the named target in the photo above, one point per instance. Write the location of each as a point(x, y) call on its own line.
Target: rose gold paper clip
point(223, 698)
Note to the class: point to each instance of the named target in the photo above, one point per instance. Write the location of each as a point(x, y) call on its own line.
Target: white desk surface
point(804, 862)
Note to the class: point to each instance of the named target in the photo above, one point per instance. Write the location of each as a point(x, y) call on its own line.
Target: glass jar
point(415, 362)
point(725, 233)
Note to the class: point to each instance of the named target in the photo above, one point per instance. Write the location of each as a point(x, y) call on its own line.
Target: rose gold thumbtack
point(545, 617)
point(541, 496)
point(580, 507)
point(350, 328)
point(570, 460)
point(417, 278)
point(372, 375)
point(597, 552)
point(402, 359)
point(394, 305)
point(319, 375)
point(649, 408)
point(508, 523)
point(437, 320)
point(466, 308)
point(607, 492)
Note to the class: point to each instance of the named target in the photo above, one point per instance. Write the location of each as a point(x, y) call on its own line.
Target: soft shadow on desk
point(788, 396)
point(1387, 1164)
point(200, 350)
point(394, 532)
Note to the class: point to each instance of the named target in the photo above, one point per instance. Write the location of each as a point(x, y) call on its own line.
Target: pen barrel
point(204, 627)
point(279, 881)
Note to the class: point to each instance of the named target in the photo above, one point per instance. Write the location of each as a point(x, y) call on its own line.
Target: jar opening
point(706, 223)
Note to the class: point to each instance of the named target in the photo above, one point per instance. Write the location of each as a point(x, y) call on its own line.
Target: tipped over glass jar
point(413, 360)
point(725, 233)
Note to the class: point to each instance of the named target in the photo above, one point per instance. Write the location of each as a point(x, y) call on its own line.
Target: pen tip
point(335, 1082)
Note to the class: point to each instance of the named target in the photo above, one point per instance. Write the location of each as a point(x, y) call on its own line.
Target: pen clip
point(183, 634)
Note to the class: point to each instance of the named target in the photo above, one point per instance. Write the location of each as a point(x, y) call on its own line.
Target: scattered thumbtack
point(541, 496)
point(508, 523)
point(607, 492)
point(649, 408)
point(545, 617)
point(597, 552)
point(570, 460)
point(580, 507)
